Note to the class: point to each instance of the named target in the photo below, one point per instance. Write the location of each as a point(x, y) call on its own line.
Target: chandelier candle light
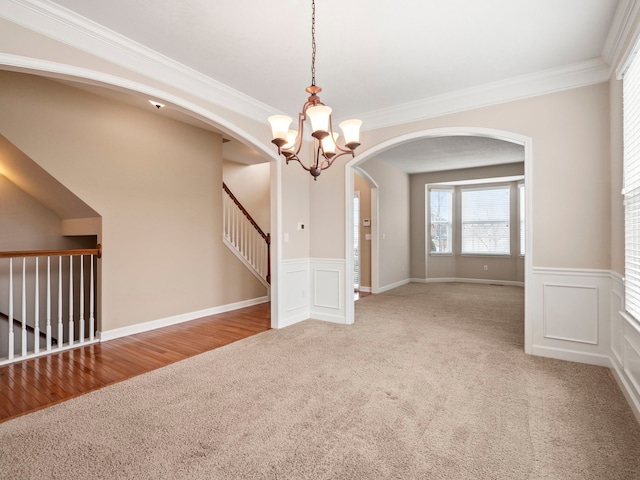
point(289, 142)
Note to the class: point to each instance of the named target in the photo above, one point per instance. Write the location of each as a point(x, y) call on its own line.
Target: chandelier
point(325, 146)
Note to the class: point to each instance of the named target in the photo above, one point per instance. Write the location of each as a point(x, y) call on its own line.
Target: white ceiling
point(372, 55)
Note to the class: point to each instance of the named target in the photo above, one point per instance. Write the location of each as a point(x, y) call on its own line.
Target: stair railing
point(244, 235)
point(47, 301)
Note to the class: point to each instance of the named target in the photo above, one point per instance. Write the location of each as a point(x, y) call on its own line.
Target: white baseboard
point(627, 390)
point(292, 320)
point(468, 280)
point(572, 356)
point(364, 289)
point(328, 318)
point(386, 288)
point(176, 319)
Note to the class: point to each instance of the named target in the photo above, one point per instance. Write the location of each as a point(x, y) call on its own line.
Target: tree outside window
point(441, 205)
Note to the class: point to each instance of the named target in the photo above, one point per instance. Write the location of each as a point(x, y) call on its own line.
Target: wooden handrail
point(52, 253)
point(266, 236)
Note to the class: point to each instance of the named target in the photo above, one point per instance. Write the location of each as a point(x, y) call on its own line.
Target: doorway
point(505, 136)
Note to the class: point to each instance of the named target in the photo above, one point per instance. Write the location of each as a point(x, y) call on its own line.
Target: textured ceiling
point(452, 153)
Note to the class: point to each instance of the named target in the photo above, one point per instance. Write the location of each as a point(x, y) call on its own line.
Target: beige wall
point(29, 225)
point(393, 221)
point(155, 182)
point(361, 185)
point(570, 191)
point(457, 266)
point(295, 185)
point(251, 185)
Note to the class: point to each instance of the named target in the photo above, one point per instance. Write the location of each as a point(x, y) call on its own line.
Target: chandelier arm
point(294, 158)
point(301, 118)
point(328, 162)
point(343, 150)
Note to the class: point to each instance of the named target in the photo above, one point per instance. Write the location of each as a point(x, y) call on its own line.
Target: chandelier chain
point(313, 42)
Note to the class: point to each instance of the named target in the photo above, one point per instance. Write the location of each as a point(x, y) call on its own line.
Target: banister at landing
point(52, 253)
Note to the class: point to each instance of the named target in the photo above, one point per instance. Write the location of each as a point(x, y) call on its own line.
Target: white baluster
point(81, 299)
point(234, 226)
point(48, 303)
point(60, 326)
point(92, 320)
point(36, 312)
point(71, 322)
point(225, 215)
point(11, 335)
point(24, 306)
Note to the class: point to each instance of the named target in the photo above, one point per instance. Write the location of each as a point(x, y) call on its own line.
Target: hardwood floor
point(37, 383)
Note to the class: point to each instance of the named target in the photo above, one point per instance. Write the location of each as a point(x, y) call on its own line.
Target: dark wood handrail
point(52, 253)
point(265, 236)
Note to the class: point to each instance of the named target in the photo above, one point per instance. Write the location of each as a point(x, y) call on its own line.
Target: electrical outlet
point(300, 226)
point(486, 267)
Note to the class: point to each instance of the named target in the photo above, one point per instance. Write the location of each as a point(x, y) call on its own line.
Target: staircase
point(244, 237)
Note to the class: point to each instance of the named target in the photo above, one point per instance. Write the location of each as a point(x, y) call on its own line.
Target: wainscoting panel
point(571, 313)
point(294, 293)
point(623, 354)
point(327, 287)
point(631, 358)
point(617, 322)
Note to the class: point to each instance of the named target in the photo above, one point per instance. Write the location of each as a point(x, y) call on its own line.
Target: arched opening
point(187, 111)
point(504, 136)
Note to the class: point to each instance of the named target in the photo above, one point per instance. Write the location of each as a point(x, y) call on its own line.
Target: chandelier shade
point(325, 146)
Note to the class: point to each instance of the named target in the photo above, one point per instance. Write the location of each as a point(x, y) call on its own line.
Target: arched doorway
point(506, 136)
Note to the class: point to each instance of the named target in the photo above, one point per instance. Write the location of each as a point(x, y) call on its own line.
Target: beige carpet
point(430, 383)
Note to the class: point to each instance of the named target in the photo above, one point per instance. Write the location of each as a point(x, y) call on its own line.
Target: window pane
point(485, 221)
point(441, 202)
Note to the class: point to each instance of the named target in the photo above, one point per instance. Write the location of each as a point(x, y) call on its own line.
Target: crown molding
point(627, 31)
point(63, 25)
point(620, 29)
point(540, 83)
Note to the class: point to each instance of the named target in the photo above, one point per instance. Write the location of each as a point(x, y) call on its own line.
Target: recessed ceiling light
point(156, 104)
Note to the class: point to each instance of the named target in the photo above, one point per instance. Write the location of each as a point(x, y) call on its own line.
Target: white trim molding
point(391, 286)
point(176, 319)
point(468, 280)
point(313, 288)
point(570, 309)
point(589, 72)
point(56, 22)
point(295, 286)
point(328, 299)
point(66, 26)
